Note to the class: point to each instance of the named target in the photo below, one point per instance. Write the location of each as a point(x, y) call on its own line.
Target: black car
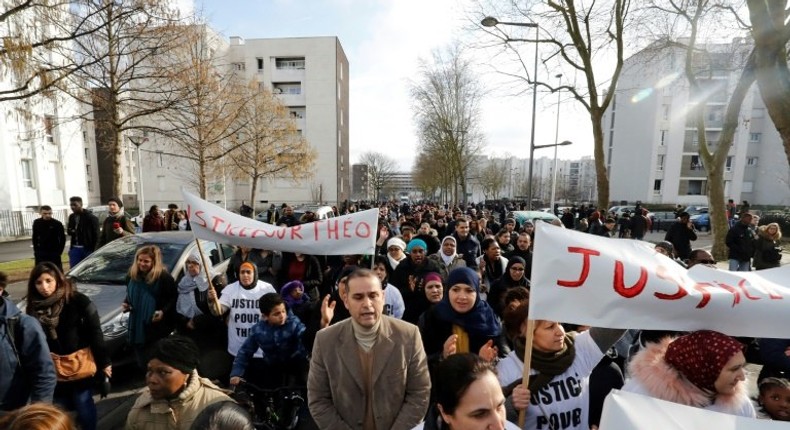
point(101, 276)
point(662, 220)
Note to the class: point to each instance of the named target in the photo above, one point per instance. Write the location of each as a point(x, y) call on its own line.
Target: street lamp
point(556, 139)
point(138, 141)
point(490, 21)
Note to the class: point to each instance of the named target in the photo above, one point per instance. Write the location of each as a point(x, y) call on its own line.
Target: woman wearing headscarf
point(462, 322)
point(703, 369)
point(296, 299)
point(447, 258)
point(396, 248)
point(71, 323)
point(175, 394)
point(195, 318)
point(434, 292)
point(560, 371)
point(408, 278)
point(512, 278)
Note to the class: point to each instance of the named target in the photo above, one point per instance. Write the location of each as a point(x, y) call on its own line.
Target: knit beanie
point(700, 356)
point(179, 352)
point(416, 243)
point(432, 277)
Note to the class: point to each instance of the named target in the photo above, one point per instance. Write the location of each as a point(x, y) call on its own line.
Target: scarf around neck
point(548, 364)
point(186, 304)
point(47, 311)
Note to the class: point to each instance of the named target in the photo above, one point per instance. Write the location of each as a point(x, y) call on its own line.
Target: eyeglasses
point(517, 269)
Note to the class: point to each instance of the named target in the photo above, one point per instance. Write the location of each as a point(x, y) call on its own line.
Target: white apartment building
point(651, 146)
point(311, 77)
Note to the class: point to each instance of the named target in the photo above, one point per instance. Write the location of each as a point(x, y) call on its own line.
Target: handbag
point(75, 366)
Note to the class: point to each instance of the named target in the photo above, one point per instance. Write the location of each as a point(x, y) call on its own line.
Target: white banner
point(347, 234)
point(623, 283)
point(623, 410)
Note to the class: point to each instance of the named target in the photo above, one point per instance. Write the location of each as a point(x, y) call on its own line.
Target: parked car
point(532, 216)
point(696, 210)
point(101, 276)
point(662, 220)
point(701, 221)
point(620, 210)
point(321, 212)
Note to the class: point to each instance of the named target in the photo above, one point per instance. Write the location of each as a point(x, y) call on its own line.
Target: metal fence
point(19, 224)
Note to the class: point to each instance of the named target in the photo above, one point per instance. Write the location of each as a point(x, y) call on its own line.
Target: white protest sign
point(623, 410)
point(623, 283)
point(347, 234)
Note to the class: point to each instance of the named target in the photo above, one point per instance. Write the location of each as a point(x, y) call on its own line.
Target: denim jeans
point(81, 402)
point(740, 266)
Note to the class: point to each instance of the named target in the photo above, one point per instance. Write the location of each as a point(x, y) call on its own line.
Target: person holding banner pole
point(557, 395)
point(703, 369)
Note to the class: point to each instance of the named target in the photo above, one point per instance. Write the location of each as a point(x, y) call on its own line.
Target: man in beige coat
point(368, 372)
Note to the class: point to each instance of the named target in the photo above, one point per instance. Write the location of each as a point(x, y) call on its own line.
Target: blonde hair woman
point(151, 296)
point(768, 246)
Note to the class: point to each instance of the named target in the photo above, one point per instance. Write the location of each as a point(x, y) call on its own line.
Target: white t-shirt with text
point(244, 312)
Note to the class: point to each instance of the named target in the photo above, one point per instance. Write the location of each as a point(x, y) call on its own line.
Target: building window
point(339, 93)
point(341, 70)
point(49, 125)
point(88, 169)
point(87, 154)
point(755, 137)
point(696, 188)
point(751, 161)
point(239, 67)
point(660, 163)
point(696, 163)
point(294, 88)
point(657, 187)
point(56, 171)
point(665, 112)
point(747, 187)
point(296, 63)
point(90, 186)
point(259, 61)
point(663, 140)
point(160, 159)
point(341, 117)
point(27, 173)
point(728, 165)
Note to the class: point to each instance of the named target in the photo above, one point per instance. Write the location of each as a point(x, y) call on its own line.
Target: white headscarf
point(185, 304)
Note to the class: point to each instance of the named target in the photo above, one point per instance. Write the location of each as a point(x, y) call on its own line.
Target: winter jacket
point(681, 236)
point(83, 228)
point(280, 344)
point(740, 241)
point(49, 237)
point(177, 413)
point(469, 248)
point(762, 247)
point(409, 279)
point(456, 262)
point(652, 376)
point(107, 234)
point(153, 223)
point(26, 369)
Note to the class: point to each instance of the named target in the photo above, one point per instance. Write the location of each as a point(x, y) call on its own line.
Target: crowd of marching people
point(430, 332)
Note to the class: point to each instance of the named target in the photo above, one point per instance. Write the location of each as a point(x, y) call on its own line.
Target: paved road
point(16, 250)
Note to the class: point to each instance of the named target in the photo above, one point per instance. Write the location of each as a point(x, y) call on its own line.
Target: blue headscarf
point(481, 319)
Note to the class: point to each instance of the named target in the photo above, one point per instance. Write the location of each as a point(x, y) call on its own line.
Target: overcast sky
point(384, 40)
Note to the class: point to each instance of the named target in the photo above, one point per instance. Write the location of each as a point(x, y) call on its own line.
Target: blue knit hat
point(414, 243)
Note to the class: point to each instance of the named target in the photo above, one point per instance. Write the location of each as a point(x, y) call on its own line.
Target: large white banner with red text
point(347, 234)
point(623, 283)
point(623, 410)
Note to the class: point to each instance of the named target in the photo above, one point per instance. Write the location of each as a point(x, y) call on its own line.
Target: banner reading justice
point(347, 234)
point(622, 283)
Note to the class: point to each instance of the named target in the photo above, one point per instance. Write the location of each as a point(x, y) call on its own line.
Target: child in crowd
point(296, 300)
point(774, 399)
point(279, 336)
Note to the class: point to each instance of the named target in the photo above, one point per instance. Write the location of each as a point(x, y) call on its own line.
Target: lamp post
point(556, 140)
point(138, 141)
point(490, 21)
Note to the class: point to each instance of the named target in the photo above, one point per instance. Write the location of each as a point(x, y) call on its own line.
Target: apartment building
point(651, 145)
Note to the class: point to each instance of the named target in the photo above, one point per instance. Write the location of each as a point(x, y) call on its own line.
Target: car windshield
point(111, 263)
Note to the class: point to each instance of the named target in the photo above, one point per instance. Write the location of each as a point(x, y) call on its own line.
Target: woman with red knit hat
point(704, 369)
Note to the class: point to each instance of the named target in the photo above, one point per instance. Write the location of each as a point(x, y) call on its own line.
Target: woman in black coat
point(513, 277)
point(71, 323)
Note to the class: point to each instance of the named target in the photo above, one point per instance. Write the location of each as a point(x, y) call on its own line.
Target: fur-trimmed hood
point(651, 371)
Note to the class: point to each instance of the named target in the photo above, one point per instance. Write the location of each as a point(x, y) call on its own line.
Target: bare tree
point(381, 169)
point(431, 176)
point(771, 32)
point(446, 102)
point(32, 32)
point(492, 178)
point(575, 32)
point(703, 62)
point(270, 144)
point(121, 78)
point(207, 116)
